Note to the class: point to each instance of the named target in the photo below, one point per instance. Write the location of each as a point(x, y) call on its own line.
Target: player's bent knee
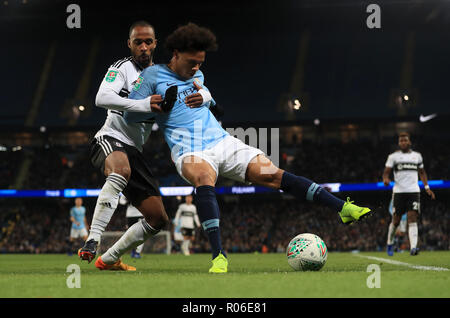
point(117, 162)
point(204, 178)
point(125, 172)
point(267, 178)
point(158, 222)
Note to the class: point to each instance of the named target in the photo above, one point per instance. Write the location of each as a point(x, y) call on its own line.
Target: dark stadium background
point(351, 82)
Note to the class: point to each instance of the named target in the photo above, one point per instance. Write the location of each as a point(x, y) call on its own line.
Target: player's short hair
point(141, 23)
point(191, 37)
point(404, 134)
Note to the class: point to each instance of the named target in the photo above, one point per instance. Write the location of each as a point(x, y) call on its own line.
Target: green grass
point(249, 276)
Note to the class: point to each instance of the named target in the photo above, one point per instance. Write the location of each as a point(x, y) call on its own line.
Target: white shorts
point(229, 158)
point(74, 233)
point(177, 236)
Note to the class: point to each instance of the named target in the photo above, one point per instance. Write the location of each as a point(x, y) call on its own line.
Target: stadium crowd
point(248, 224)
point(59, 167)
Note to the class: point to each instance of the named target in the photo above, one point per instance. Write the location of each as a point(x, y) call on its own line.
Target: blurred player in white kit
point(187, 219)
point(407, 166)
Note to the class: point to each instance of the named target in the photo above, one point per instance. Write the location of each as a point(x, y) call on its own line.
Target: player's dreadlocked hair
point(191, 37)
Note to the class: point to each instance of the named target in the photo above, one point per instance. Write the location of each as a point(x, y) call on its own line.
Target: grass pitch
point(249, 276)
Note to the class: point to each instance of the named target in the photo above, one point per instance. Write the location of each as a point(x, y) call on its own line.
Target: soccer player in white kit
point(187, 218)
point(407, 165)
point(117, 149)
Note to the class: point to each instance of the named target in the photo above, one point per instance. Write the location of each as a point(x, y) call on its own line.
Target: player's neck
point(171, 67)
point(142, 66)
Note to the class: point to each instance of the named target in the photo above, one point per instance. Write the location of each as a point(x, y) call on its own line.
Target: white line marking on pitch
point(421, 267)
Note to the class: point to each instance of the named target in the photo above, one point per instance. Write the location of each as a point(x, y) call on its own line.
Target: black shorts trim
point(142, 183)
point(187, 232)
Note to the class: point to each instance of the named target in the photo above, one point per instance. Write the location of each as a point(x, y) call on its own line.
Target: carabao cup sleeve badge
point(111, 76)
point(138, 83)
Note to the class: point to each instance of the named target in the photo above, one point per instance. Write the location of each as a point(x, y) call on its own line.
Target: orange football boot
point(117, 266)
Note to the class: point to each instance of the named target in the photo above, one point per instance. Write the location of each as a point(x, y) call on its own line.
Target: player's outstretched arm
point(142, 90)
point(109, 94)
point(386, 174)
point(424, 178)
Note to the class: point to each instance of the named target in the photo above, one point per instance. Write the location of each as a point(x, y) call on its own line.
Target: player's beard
point(144, 60)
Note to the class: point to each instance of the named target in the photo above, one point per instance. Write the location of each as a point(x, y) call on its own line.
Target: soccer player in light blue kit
point(201, 149)
point(79, 223)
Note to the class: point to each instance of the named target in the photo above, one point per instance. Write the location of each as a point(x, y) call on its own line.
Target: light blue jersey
point(78, 214)
point(185, 129)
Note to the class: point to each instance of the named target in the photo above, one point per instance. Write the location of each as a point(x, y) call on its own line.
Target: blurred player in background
point(117, 151)
point(187, 219)
point(407, 165)
point(202, 150)
point(79, 223)
point(133, 216)
point(177, 236)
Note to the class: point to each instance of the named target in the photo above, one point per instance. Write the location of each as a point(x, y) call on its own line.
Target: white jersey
point(186, 216)
point(112, 95)
point(405, 166)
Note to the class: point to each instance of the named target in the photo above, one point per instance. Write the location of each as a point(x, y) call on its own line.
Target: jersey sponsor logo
point(138, 83)
point(118, 144)
point(170, 84)
point(405, 166)
point(111, 76)
point(187, 213)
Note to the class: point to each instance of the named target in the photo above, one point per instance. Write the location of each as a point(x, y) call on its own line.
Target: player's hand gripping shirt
point(185, 129)
point(405, 166)
point(112, 95)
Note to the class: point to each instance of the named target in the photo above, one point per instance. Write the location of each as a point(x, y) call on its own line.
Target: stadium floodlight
point(81, 108)
point(406, 97)
point(297, 104)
